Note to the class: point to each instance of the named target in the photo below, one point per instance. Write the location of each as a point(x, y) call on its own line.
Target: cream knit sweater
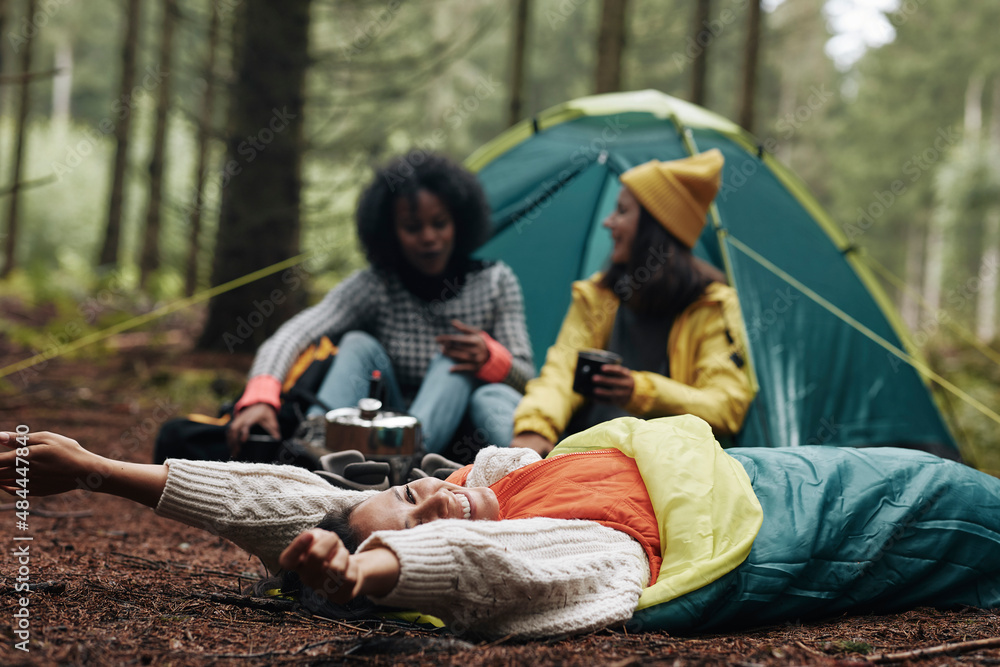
point(527, 577)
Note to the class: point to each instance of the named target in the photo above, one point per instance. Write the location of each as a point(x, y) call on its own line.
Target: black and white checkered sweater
point(406, 326)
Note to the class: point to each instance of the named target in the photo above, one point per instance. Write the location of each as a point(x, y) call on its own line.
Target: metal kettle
point(380, 435)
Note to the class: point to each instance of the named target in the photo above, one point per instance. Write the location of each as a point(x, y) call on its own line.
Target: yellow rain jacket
point(706, 350)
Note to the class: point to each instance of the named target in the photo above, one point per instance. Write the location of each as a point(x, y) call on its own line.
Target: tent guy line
point(166, 309)
point(940, 314)
point(862, 329)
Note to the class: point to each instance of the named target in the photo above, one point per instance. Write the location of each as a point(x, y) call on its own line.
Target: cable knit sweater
point(527, 577)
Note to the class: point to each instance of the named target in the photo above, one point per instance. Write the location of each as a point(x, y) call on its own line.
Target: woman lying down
point(643, 521)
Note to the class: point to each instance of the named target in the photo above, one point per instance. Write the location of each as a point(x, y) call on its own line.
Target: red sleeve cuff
point(498, 364)
point(261, 389)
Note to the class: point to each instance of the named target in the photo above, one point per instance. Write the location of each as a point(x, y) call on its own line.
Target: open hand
point(239, 429)
point(467, 348)
point(614, 384)
point(55, 463)
point(325, 565)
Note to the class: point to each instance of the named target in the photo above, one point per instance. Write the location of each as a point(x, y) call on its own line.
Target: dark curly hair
point(405, 176)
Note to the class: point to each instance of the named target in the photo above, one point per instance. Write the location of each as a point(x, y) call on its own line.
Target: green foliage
point(979, 377)
point(62, 222)
point(906, 114)
point(388, 76)
point(967, 186)
point(854, 646)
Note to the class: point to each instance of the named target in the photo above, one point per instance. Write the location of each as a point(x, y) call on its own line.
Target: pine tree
point(259, 222)
point(130, 46)
point(20, 130)
point(149, 260)
point(518, 48)
point(611, 39)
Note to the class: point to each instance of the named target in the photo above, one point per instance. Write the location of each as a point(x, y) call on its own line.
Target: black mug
point(588, 364)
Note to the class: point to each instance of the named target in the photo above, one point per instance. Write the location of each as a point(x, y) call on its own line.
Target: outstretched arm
point(259, 507)
point(57, 464)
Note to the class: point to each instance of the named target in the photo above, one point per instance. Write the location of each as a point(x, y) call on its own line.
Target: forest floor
point(114, 584)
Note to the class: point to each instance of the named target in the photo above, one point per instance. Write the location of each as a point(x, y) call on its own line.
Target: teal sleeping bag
point(845, 530)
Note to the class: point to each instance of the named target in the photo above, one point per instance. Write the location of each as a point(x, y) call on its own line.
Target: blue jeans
point(440, 403)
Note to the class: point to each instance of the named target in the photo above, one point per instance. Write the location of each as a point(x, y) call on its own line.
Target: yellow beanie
point(678, 193)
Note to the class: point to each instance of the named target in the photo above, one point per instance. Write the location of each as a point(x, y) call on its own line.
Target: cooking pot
point(380, 435)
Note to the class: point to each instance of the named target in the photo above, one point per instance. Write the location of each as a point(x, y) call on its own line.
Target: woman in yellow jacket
point(668, 315)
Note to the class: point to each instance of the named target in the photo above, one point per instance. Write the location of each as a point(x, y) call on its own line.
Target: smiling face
point(623, 223)
point(426, 239)
point(422, 501)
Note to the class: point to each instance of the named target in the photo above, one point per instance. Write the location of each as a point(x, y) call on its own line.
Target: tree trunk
point(19, 139)
point(703, 38)
point(204, 145)
point(973, 119)
point(149, 260)
point(3, 52)
point(934, 266)
point(518, 48)
point(259, 220)
point(910, 308)
point(62, 85)
point(112, 234)
point(750, 66)
point(986, 306)
point(986, 300)
point(786, 107)
point(610, 46)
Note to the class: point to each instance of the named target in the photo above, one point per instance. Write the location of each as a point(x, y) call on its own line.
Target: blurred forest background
point(152, 149)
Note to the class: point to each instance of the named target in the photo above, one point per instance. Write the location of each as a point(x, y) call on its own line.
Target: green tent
point(821, 331)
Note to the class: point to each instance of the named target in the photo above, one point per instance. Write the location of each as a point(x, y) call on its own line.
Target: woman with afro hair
point(446, 331)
